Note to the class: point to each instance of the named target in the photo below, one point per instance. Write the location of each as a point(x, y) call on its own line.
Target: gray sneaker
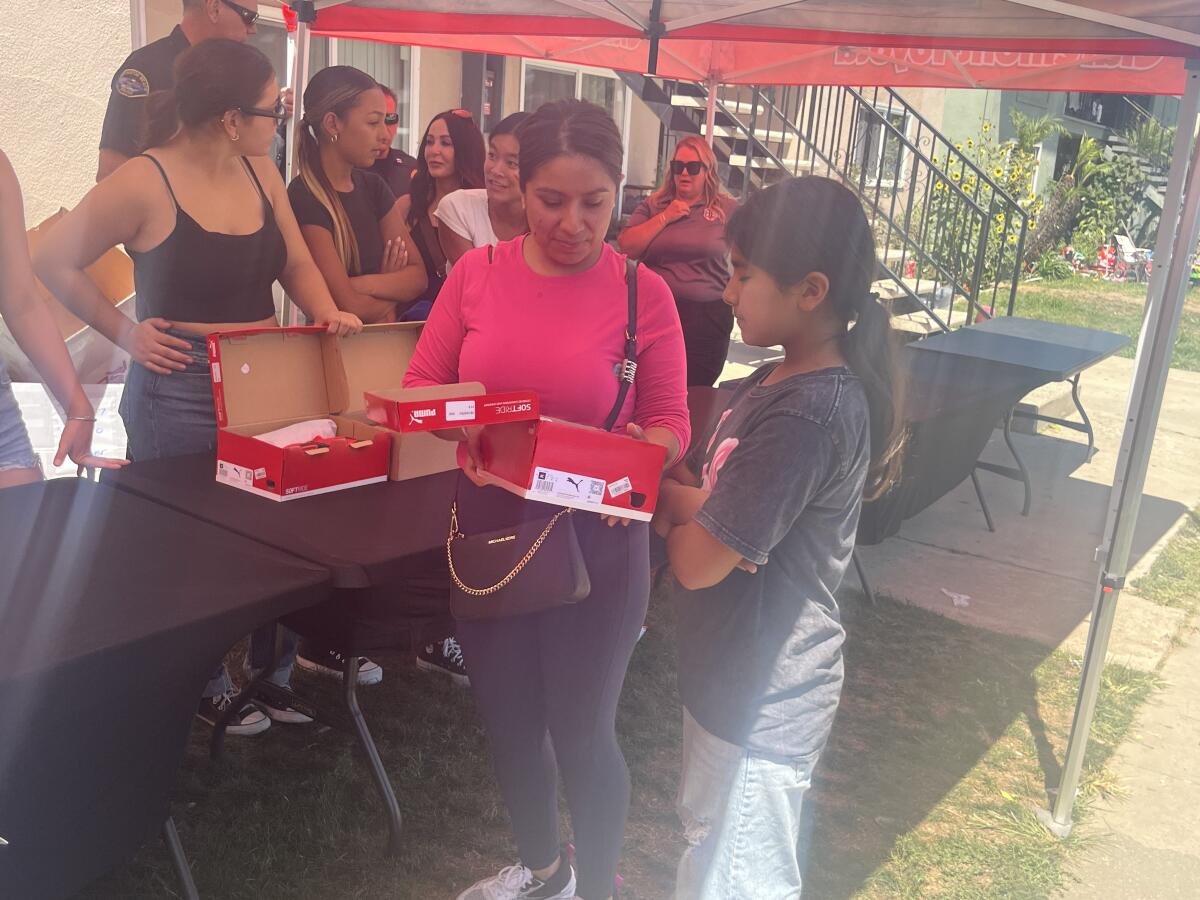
point(518, 883)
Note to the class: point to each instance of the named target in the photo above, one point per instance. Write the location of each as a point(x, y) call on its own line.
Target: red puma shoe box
point(558, 462)
point(268, 378)
point(445, 406)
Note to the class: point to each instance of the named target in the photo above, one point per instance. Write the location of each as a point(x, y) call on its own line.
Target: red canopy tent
point(1142, 46)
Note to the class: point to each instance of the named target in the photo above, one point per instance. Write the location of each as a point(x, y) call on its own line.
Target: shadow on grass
point(293, 813)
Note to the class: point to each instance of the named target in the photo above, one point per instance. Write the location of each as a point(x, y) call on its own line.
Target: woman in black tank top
point(205, 216)
point(348, 215)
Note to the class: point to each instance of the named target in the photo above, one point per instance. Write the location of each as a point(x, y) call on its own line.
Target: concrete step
point(1052, 399)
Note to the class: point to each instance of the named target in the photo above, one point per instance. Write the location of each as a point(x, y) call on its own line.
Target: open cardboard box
point(94, 357)
point(565, 464)
point(268, 378)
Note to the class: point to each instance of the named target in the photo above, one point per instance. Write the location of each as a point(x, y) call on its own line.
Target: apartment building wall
point(59, 59)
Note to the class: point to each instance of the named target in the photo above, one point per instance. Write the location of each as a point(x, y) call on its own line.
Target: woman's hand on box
point(341, 323)
point(638, 434)
point(149, 344)
point(473, 464)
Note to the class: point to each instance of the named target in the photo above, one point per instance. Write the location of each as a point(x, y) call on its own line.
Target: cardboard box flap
point(272, 374)
point(112, 273)
point(376, 357)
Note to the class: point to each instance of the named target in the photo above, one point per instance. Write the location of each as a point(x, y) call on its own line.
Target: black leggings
point(706, 330)
point(547, 686)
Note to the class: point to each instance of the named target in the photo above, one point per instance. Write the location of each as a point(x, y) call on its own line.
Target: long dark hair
point(814, 224)
point(469, 154)
point(570, 127)
point(211, 78)
point(333, 90)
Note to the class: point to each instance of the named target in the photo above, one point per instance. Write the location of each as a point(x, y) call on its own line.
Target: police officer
point(394, 166)
point(152, 68)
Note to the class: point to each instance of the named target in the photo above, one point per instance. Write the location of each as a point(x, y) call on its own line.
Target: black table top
point(85, 568)
point(363, 535)
point(1058, 351)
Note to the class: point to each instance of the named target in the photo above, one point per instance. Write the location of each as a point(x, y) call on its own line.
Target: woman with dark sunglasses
point(451, 158)
point(206, 218)
point(679, 232)
point(349, 217)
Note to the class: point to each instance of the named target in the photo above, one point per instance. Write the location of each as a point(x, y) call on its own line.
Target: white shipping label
point(460, 410)
point(554, 485)
point(231, 474)
point(216, 373)
point(617, 488)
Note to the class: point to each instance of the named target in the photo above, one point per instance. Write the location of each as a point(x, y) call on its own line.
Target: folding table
point(383, 544)
point(113, 613)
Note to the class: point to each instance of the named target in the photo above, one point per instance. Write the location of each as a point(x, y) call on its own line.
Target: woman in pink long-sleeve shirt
point(548, 312)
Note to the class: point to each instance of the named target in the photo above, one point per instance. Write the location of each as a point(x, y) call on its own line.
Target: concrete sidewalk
point(1148, 843)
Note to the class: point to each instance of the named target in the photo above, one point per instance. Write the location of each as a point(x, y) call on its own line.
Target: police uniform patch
point(132, 83)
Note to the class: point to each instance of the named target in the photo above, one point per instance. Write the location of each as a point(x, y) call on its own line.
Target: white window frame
point(579, 72)
point(873, 178)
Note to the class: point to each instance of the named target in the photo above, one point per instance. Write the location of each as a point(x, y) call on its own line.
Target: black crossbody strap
point(629, 364)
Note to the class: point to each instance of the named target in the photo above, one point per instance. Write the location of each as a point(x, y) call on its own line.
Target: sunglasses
point(248, 16)
point(278, 111)
point(461, 113)
point(391, 119)
point(692, 167)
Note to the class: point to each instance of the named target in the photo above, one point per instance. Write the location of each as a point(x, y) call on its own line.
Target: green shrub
point(1053, 267)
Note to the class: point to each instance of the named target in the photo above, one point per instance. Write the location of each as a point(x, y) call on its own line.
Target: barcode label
point(568, 486)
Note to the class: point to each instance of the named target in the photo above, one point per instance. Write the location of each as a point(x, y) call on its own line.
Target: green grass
point(946, 738)
point(1109, 306)
point(1174, 579)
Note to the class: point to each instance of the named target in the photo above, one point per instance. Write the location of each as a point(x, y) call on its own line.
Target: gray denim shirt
point(760, 656)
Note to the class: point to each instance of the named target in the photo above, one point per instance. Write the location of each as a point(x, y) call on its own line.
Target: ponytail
point(814, 224)
point(312, 173)
point(162, 119)
point(336, 90)
point(870, 347)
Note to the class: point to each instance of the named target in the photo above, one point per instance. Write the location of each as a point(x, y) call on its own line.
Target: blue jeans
point(16, 452)
point(172, 415)
point(742, 818)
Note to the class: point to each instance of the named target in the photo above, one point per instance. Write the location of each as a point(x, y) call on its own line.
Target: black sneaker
point(250, 719)
point(444, 657)
point(333, 664)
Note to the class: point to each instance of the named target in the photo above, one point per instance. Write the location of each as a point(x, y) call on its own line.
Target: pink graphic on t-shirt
point(709, 478)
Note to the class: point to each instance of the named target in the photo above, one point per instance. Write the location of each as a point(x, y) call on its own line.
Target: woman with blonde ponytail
point(348, 216)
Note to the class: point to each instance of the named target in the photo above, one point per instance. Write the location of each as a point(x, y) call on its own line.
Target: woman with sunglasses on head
point(451, 158)
point(349, 218)
point(206, 219)
point(679, 232)
point(477, 217)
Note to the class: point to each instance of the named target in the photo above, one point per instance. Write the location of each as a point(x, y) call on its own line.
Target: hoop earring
point(236, 137)
point(334, 138)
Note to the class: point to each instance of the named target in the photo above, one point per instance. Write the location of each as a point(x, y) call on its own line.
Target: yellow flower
point(958, 146)
point(970, 143)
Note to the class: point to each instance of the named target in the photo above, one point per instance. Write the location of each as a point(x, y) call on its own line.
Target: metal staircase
point(949, 238)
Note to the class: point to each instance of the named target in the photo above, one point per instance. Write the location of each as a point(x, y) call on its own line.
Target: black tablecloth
point(114, 612)
point(954, 403)
point(385, 545)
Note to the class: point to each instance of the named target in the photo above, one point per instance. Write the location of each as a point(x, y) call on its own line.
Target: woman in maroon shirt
point(679, 232)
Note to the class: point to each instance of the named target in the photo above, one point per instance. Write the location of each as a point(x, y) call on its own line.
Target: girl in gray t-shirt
point(760, 523)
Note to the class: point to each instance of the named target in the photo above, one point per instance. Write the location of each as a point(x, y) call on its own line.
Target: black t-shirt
point(148, 69)
point(397, 170)
point(365, 205)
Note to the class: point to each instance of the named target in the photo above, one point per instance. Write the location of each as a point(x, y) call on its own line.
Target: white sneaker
point(519, 883)
point(333, 663)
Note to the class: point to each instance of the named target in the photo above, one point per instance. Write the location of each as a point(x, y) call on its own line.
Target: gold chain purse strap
point(503, 582)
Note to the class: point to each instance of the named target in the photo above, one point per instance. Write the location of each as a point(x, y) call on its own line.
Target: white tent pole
point(710, 108)
point(1178, 230)
point(300, 65)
